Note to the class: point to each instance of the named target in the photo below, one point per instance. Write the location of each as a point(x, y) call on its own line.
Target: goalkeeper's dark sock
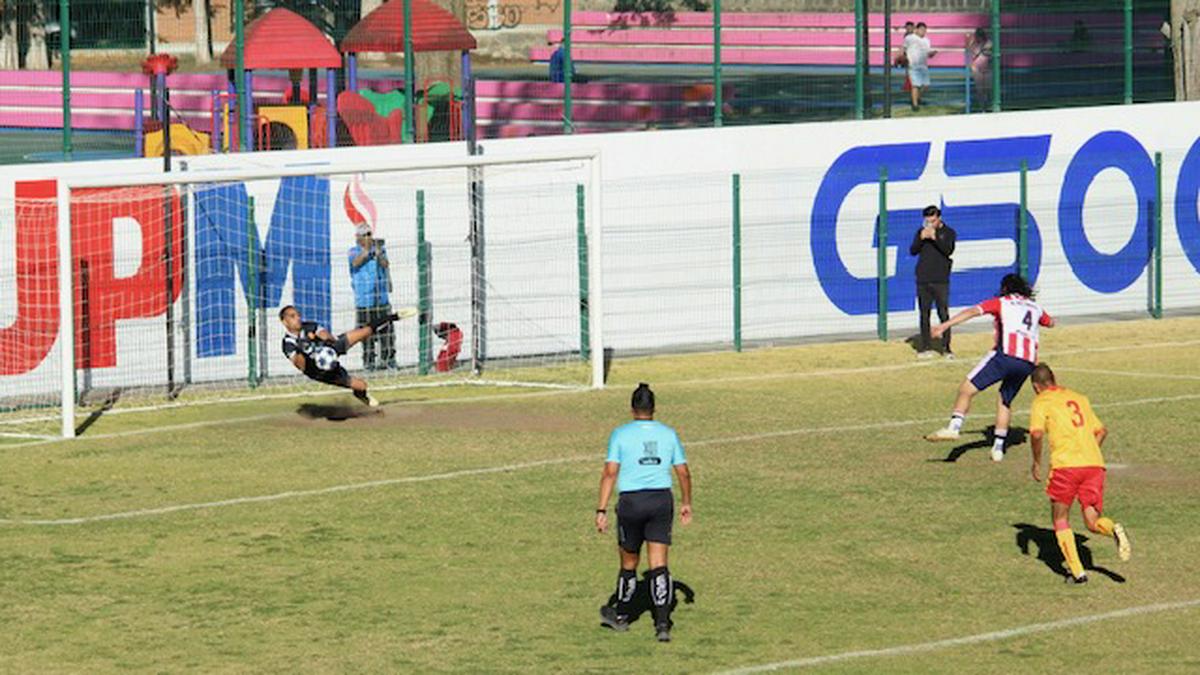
point(659, 580)
point(626, 587)
point(362, 396)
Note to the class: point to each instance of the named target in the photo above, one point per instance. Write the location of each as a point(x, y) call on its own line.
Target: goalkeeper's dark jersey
point(301, 343)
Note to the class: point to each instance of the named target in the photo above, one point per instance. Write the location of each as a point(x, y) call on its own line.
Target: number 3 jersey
point(1017, 321)
point(1066, 417)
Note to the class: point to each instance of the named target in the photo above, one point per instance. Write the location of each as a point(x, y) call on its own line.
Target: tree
point(1185, 43)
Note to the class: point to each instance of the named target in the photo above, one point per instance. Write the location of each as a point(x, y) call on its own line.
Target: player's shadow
point(334, 412)
point(1049, 553)
point(1016, 436)
point(642, 603)
point(914, 341)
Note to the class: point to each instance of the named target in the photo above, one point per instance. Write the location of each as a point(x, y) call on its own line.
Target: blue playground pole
point(139, 122)
point(331, 107)
point(352, 72)
point(246, 111)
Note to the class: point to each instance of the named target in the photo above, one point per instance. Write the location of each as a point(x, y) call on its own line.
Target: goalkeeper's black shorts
point(337, 376)
point(644, 515)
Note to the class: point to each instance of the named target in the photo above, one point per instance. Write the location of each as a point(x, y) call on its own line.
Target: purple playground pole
point(139, 124)
point(216, 122)
point(468, 85)
point(331, 107)
point(351, 72)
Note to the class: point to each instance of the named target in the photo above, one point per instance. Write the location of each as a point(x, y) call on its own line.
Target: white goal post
point(511, 177)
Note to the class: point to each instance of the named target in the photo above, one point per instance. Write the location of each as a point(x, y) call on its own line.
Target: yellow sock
point(1066, 543)
point(1105, 526)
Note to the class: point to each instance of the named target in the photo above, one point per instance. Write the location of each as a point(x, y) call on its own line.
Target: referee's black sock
point(661, 591)
point(626, 586)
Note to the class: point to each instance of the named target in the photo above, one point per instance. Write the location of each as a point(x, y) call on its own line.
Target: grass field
point(453, 531)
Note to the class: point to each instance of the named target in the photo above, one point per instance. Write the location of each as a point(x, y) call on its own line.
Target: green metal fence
point(705, 64)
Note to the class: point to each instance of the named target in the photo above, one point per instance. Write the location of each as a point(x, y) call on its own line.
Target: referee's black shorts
point(644, 515)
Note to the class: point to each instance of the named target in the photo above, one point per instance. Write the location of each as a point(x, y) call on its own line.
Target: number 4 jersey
point(1017, 321)
point(1066, 417)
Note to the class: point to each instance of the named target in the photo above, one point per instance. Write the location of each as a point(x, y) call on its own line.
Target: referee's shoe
point(610, 619)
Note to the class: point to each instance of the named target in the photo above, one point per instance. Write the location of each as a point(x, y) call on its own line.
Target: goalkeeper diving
point(315, 351)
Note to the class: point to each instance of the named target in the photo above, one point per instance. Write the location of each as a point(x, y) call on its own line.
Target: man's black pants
point(381, 345)
point(928, 294)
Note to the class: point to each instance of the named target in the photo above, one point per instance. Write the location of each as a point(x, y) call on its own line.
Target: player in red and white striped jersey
point(1018, 320)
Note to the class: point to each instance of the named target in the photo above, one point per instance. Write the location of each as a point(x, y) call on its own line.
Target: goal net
point(171, 285)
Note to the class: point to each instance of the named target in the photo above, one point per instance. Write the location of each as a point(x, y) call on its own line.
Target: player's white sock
point(956, 421)
point(999, 437)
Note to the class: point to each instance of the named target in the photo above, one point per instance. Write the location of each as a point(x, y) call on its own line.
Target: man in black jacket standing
point(933, 245)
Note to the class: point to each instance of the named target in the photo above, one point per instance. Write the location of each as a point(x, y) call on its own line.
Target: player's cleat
point(662, 633)
point(926, 355)
point(997, 455)
point(945, 434)
point(610, 619)
point(1124, 550)
point(372, 402)
point(1076, 581)
point(949, 356)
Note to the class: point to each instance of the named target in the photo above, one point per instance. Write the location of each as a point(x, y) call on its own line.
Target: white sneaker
point(372, 402)
point(997, 455)
point(926, 355)
point(946, 434)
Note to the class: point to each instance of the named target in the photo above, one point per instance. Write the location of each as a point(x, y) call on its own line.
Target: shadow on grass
point(1016, 436)
point(105, 406)
point(641, 603)
point(1050, 555)
point(334, 412)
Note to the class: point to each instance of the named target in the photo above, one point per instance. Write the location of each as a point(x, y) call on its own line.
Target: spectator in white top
point(918, 51)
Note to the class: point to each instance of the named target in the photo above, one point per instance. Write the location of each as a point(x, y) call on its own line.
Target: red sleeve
point(1045, 320)
point(990, 306)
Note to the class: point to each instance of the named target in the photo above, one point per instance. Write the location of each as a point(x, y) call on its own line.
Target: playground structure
point(288, 111)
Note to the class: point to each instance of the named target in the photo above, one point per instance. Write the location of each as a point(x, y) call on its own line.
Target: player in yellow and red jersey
point(1076, 464)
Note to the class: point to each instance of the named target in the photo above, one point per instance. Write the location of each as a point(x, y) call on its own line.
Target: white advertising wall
point(809, 203)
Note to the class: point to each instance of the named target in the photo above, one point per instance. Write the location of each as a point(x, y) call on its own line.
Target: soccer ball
point(324, 357)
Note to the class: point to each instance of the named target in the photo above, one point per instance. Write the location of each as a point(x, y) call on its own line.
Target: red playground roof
point(282, 39)
point(434, 30)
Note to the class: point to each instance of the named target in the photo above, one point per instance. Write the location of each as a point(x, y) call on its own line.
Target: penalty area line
point(993, 636)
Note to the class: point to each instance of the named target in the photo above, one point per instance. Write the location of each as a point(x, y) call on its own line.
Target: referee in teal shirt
point(641, 455)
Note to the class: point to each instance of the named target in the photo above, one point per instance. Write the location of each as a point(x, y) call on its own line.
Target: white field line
point(993, 636)
point(1129, 373)
point(505, 468)
point(834, 372)
point(266, 416)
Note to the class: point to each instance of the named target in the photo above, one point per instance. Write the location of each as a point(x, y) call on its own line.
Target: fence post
point(1128, 50)
point(1023, 224)
point(243, 96)
point(1158, 237)
point(860, 58)
point(64, 43)
point(410, 74)
point(881, 268)
point(718, 95)
point(997, 62)
point(585, 342)
point(737, 262)
point(251, 296)
point(568, 76)
point(424, 295)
